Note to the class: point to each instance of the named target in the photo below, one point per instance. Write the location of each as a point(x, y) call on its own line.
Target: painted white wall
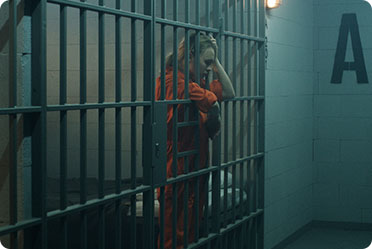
point(289, 120)
point(342, 119)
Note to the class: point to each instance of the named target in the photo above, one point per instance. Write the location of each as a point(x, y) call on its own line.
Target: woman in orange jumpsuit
point(205, 101)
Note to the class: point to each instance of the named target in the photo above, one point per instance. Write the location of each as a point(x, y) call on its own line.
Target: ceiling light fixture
point(271, 4)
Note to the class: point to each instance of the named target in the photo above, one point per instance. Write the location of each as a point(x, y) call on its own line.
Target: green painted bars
point(239, 28)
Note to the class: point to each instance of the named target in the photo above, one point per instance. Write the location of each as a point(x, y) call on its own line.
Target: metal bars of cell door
point(18, 115)
point(13, 134)
point(242, 99)
point(240, 145)
point(247, 99)
point(36, 117)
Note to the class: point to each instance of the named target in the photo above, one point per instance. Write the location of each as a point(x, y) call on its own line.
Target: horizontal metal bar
point(54, 214)
point(177, 101)
point(239, 222)
point(186, 153)
point(19, 110)
point(212, 236)
point(187, 124)
point(101, 9)
point(185, 25)
point(97, 202)
point(242, 160)
point(189, 175)
point(5, 230)
point(96, 105)
point(204, 240)
point(244, 37)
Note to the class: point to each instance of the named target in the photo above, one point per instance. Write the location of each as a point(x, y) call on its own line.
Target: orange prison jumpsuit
point(203, 99)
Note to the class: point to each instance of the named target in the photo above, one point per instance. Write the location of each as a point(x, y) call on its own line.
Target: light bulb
point(272, 3)
point(2, 246)
point(1, 3)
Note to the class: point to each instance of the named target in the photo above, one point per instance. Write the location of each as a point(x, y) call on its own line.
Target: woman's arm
point(228, 91)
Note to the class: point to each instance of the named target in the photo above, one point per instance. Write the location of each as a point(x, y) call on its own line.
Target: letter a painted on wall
point(349, 24)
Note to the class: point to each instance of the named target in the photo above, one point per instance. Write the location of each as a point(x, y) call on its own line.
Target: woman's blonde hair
point(204, 43)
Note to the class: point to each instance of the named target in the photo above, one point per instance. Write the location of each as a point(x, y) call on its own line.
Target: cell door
point(231, 213)
point(85, 133)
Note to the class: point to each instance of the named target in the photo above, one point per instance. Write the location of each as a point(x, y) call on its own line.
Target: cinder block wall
point(73, 90)
point(342, 119)
point(22, 99)
point(289, 120)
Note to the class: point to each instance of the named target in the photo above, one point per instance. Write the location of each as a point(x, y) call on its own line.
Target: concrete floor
point(333, 238)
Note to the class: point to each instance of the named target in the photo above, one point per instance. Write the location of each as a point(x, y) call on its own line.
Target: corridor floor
point(332, 238)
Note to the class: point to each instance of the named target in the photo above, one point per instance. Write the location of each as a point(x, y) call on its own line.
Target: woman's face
point(206, 63)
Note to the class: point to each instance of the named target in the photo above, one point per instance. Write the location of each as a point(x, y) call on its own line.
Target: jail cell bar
point(243, 157)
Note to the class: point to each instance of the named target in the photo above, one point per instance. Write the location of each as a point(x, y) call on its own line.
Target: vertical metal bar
point(234, 15)
point(197, 166)
point(12, 53)
point(118, 82)
point(13, 203)
point(62, 101)
point(207, 13)
point(251, 64)
point(254, 129)
point(234, 114)
point(175, 88)
point(226, 156)
point(255, 105)
point(83, 125)
point(149, 94)
point(242, 128)
point(226, 123)
point(174, 173)
point(226, 117)
point(175, 129)
point(249, 77)
point(118, 225)
point(13, 189)
point(101, 99)
point(162, 97)
point(118, 123)
point(133, 125)
point(227, 69)
point(38, 81)
point(197, 14)
point(187, 52)
point(227, 6)
point(83, 100)
point(206, 207)
point(185, 206)
point(63, 122)
point(261, 129)
point(161, 217)
point(186, 118)
point(162, 47)
point(101, 124)
point(242, 15)
point(197, 131)
point(216, 156)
